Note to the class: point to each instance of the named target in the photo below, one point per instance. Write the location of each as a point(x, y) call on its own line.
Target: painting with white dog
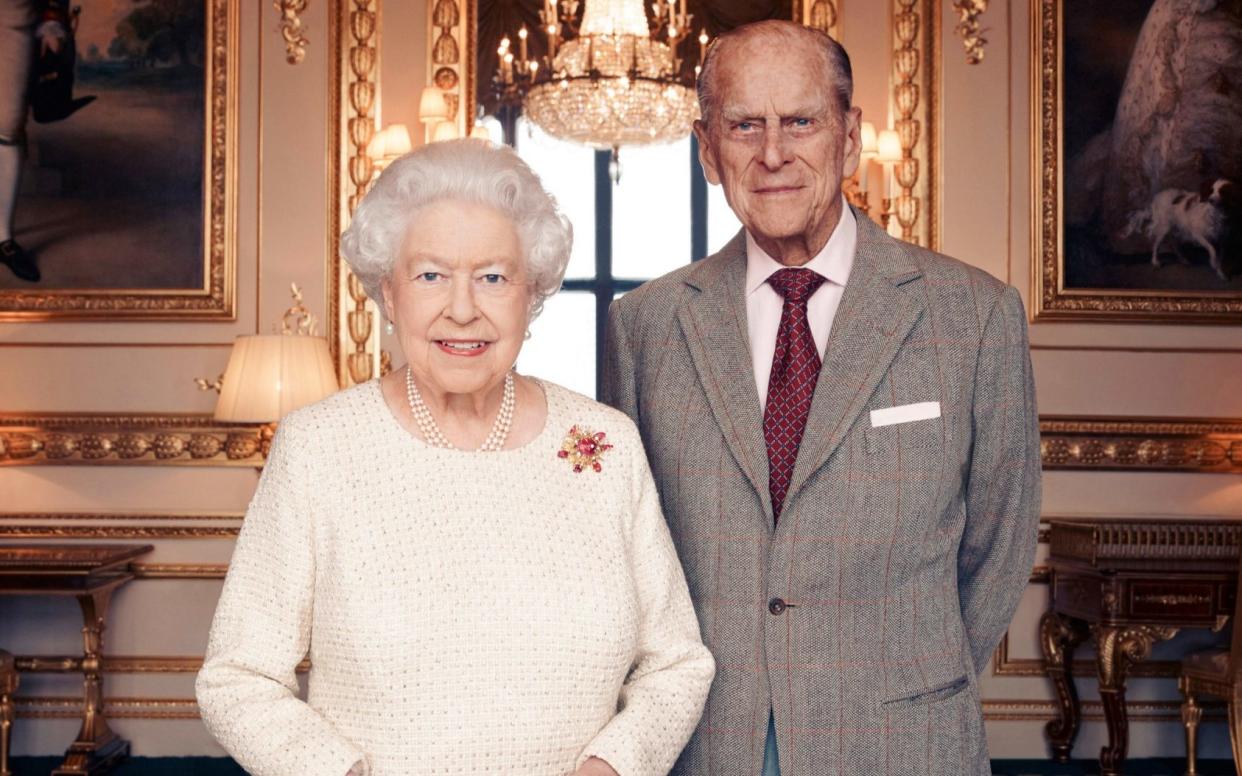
point(1152, 188)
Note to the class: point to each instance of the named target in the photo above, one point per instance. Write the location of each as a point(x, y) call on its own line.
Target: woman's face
point(459, 296)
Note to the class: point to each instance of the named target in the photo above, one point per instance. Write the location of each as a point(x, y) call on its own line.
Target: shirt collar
point(833, 262)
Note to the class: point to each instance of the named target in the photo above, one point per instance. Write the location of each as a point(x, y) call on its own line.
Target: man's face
point(779, 142)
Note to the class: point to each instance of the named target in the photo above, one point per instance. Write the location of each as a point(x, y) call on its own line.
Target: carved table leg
point(1059, 635)
point(8, 686)
point(1192, 714)
point(97, 749)
point(1117, 649)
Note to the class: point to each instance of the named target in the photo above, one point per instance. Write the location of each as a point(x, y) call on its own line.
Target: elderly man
point(843, 431)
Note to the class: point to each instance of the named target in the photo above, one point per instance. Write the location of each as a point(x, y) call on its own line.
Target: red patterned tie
point(795, 368)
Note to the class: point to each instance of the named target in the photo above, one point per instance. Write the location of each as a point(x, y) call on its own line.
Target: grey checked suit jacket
point(902, 550)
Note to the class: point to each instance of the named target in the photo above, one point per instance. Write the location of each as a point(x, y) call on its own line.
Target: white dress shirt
point(764, 304)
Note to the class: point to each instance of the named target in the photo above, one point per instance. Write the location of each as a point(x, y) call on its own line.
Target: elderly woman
point(475, 561)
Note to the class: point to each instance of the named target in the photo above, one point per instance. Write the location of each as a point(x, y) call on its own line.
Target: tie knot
point(795, 285)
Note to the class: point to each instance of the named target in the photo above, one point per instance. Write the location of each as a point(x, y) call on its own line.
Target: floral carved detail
point(291, 29)
point(968, 13)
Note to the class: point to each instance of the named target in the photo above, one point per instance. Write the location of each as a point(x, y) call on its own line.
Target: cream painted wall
point(1080, 369)
point(284, 158)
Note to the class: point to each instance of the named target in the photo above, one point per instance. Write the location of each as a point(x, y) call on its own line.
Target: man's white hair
point(475, 171)
point(840, 75)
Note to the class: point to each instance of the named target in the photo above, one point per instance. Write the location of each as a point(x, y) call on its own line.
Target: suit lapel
point(872, 322)
point(714, 322)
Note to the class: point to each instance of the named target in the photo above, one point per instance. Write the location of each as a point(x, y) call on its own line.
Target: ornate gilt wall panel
point(97, 439)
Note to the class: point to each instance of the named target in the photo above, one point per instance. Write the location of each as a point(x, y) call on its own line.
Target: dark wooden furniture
point(8, 686)
point(90, 573)
point(1216, 673)
point(1127, 584)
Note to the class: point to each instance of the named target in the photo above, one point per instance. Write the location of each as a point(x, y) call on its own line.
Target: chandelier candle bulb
point(522, 45)
point(702, 46)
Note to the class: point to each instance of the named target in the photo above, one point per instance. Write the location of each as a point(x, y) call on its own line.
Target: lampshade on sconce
point(389, 143)
point(432, 106)
point(271, 375)
point(888, 147)
point(445, 130)
point(870, 144)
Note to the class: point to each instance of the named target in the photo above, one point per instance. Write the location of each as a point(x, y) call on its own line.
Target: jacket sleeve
point(662, 698)
point(248, 689)
point(620, 388)
point(1003, 490)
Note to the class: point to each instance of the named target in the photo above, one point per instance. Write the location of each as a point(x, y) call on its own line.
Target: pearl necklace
point(435, 437)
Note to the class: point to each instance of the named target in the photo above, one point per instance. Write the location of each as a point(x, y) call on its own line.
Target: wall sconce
point(433, 110)
point(867, 153)
point(888, 154)
point(445, 130)
point(388, 144)
point(270, 375)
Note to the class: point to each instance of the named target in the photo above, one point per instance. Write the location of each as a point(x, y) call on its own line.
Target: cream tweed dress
point(464, 613)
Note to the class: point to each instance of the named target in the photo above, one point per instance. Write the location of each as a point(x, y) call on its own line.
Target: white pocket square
point(906, 413)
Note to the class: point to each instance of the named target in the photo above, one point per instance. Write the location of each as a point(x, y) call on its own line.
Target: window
point(659, 216)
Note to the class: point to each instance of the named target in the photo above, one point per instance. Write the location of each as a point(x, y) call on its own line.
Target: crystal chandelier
point(617, 80)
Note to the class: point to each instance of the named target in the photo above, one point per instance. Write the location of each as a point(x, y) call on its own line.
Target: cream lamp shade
point(870, 144)
point(432, 106)
point(445, 130)
point(889, 147)
point(271, 375)
point(390, 142)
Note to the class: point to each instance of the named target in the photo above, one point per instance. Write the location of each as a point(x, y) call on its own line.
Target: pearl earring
point(389, 328)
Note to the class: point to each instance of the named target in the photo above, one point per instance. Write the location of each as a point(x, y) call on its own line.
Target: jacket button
point(776, 606)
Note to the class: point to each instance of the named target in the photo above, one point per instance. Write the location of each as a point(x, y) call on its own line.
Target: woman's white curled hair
point(473, 171)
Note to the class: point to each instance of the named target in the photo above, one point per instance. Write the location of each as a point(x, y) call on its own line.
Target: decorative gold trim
point(56, 707)
point(179, 570)
point(354, 335)
point(1015, 710)
point(129, 517)
point(1141, 444)
point(216, 300)
point(97, 439)
point(122, 664)
point(1051, 301)
point(1093, 711)
point(291, 29)
point(968, 28)
point(116, 532)
point(915, 100)
point(822, 15)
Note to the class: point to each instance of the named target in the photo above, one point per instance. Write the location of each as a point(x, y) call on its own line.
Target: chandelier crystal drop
point(617, 80)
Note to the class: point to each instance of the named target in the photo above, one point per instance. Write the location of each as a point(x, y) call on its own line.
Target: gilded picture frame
point(213, 297)
point(1060, 250)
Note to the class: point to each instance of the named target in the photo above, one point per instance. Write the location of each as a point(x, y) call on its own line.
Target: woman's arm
point(247, 689)
point(662, 699)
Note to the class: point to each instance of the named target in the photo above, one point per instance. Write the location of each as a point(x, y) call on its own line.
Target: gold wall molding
point(179, 570)
point(292, 30)
point(116, 532)
point(129, 517)
point(823, 15)
point(916, 105)
point(1009, 710)
point(122, 664)
point(216, 299)
point(58, 707)
point(1141, 444)
point(1093, 711)
point(969, 29)
point(354, 336)
point(100, 439)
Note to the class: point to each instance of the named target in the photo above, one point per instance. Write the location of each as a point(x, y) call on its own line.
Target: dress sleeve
point(663, 696)
point(248, 689)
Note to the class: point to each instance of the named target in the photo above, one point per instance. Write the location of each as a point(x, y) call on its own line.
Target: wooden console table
point(90, 573)
point(1127, 584)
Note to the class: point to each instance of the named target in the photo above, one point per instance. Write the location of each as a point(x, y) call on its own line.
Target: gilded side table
point(90, 573)
point(1125, 585)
